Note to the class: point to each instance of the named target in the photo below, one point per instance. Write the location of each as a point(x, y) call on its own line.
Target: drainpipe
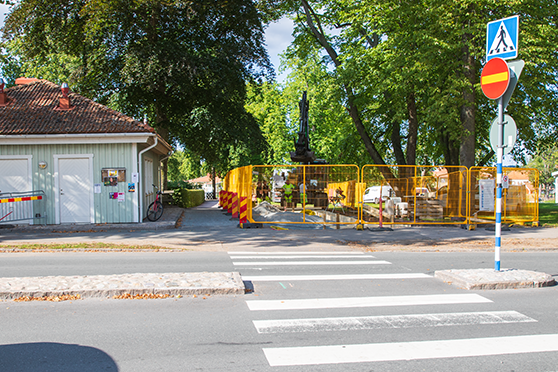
point(555, 174)
point(141, 174)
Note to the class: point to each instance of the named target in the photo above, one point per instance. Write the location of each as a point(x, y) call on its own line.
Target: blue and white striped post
point(499, 160)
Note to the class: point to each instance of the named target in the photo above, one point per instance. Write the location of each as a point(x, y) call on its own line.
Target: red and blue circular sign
point(495, 78)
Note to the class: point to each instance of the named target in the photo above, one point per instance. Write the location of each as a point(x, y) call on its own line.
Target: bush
point(185, 198)
point(181, 185)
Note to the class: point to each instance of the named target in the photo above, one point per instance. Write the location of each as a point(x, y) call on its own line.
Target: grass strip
point(548, 214)
point(83, 246)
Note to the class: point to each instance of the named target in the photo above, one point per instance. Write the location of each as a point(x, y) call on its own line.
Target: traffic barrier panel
point(341, 194)
point(310, 194)
point(23, 206)
point(243, 210)
point(413, 194)
point(520, 195)
point(234, 205)
point(229, 202)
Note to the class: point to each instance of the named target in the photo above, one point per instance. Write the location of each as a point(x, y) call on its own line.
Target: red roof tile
point(33, 110)
point(204, 179)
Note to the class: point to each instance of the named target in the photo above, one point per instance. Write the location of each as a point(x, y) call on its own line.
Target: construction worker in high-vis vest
point(288, 193)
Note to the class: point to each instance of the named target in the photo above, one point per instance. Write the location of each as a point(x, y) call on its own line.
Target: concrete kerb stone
point(169, 220)
point(492, 279)
point(102, 286)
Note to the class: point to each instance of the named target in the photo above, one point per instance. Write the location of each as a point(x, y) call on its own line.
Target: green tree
point(184, 64)
point(546, 162)
point(184, 166)
point(267, 105)
point(408, 72)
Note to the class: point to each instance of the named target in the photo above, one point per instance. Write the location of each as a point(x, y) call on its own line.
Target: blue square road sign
point(502, 37)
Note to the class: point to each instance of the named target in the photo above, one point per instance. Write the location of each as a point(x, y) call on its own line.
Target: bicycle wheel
point(155, 211)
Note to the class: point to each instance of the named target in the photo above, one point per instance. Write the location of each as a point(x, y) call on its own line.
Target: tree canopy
point(389, 81)
point(182, 64)
point(407, 73)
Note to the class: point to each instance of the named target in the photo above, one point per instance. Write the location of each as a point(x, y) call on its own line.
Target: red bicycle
point(155, 210)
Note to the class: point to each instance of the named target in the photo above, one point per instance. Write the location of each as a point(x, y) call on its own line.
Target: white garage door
point(14, 175)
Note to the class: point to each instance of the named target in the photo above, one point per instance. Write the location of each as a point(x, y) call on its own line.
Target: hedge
point(185, 198)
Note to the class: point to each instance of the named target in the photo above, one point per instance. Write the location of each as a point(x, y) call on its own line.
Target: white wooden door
point(75, 190)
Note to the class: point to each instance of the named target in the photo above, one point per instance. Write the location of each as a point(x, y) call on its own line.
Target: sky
point(278, 36)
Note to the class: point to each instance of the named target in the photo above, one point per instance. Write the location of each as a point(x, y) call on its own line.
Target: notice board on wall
point(111, 176)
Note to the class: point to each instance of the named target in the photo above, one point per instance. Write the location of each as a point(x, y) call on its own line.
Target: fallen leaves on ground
point(143, 296)
point(49, 298)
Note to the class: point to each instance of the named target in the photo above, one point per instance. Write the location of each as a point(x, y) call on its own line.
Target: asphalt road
point(341, 322)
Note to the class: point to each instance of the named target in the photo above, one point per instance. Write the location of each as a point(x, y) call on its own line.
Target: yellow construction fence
point(383, 194)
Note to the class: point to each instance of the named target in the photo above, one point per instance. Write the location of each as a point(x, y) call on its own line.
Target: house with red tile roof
point(94, 164)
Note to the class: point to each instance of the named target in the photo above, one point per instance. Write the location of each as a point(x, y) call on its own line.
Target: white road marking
point(295, 253)
point(286, 278)
point(302, 256)
point(381, 301)
point(392, 321)
point(382, 352)
point(302, 263)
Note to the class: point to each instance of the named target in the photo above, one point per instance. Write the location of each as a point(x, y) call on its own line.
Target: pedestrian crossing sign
point(501, 38)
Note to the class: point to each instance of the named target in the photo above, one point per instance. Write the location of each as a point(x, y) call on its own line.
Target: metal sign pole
point(499, 160)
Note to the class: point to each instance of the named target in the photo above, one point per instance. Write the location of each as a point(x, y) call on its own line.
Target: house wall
point(106, 210)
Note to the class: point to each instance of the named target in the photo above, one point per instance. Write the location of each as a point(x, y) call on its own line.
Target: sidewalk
point(168, 220)
point(208, 228)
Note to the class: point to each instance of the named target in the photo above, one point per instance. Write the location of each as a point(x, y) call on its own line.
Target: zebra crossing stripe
point(293, 278)
point(396, 351)
point(294, 253)
point(303, 263)
point(301, 256)
point(391, 321)
point(350, 302)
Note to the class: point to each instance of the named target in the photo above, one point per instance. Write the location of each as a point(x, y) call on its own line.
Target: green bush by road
point(185, 198)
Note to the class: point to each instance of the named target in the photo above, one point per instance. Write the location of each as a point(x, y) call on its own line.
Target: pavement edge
point(492, 280)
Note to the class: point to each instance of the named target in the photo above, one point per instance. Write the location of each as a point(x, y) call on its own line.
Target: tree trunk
point(213, 182)
point(413, 129)
point(395, 133)
point(450, 148)
point(468, 110)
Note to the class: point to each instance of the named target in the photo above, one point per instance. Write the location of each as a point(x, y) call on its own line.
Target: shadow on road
point(55, 357)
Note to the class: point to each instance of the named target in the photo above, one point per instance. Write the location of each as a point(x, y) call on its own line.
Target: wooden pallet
point(427, 208)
